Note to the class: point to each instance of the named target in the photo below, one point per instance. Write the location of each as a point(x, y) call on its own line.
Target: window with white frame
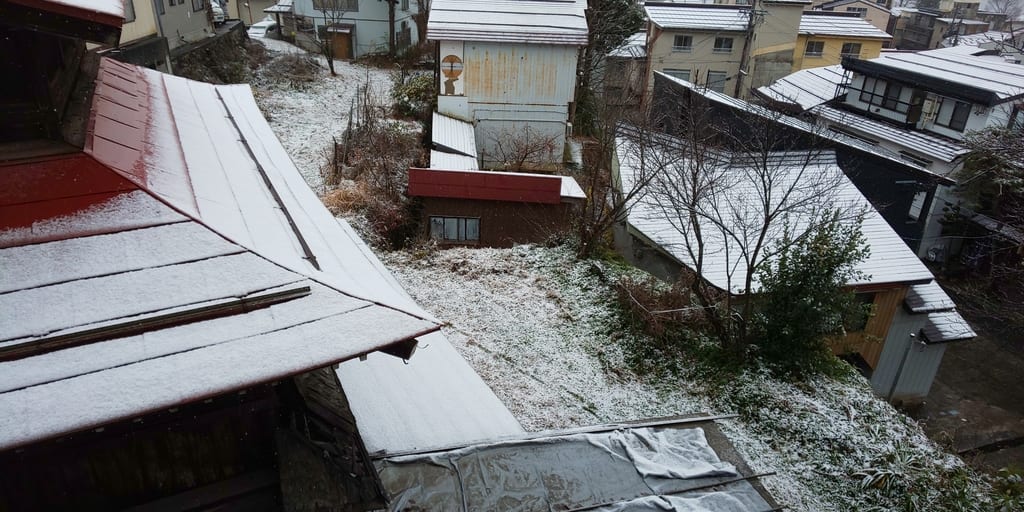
point(129, 11)
point(814, 49)
point(681, 43)
point(716, 81)
point(850, 50)
point(455, 229)
point(682, 74)
point(861, 11)
point(953, 114)
point(405, 5)
point(723, 45)
point(885, 94)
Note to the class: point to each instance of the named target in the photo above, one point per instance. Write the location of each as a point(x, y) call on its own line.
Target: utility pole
point(748, 41)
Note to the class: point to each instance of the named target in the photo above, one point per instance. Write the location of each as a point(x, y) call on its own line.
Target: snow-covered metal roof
point(890, 260)
point(933, 146)
point(992, 37)
point(186, 259)
point(697, 17)
point(509, 21)
point(108, 12)
point(678, 467)
point(992, 82)
point(962, 21)
point(927, 298)
point(494, 185)
point(442, 160)
point(827, 6)
point(801, 125)
point(282, 6)
point(635, 47)
point(946, 326)
point(839, 26)
point(453, 135)
point(805, 88)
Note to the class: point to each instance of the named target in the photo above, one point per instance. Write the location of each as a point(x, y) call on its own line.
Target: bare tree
point(420, 18)
point(332, 11)
point(737, 197)
point(524, 150)
point(1011, 8)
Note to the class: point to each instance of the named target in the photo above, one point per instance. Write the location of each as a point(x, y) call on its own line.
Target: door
point(342, 45)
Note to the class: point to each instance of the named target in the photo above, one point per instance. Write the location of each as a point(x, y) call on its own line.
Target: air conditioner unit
point(929, 109)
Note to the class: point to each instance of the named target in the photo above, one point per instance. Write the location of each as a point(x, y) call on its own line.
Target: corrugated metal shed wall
point(921, 364)
point(520, 73)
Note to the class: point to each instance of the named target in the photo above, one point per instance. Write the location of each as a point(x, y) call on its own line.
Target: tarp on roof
point(652, 468)
point(889, 261)
point(509, 21)
point(168, 271)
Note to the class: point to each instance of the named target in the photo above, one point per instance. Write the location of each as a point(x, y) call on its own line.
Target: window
point(160, 7)
point(862, 11)
point(953, 114)
point(716, 81)
point(723, 45)
point(682, 43)
point(814, 48)
point(917, 205)
point(682, 74)
point(455, 229)
point(198, 5)
point(129, 11)
point(892, 96)
point(405, 5)
point(883, 94)
point(850, 50)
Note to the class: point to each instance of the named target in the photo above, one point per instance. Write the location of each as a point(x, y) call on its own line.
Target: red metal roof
point(51, 189)
point(488, 186)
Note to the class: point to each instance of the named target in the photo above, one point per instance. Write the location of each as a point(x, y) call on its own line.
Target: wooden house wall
point(870, 342)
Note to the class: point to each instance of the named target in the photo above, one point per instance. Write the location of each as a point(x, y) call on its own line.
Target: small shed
point(493, 209)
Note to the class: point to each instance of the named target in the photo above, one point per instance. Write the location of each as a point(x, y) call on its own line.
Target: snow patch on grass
point(542, 330)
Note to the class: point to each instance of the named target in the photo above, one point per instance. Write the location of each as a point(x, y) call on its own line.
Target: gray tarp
point(623, 470)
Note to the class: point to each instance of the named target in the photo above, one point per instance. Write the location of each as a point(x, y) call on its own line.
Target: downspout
point(160, 32)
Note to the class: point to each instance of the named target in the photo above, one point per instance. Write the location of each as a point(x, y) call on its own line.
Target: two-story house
point(355, 27)
point(726, 48)
point(183, 21)
point(825, 38)
point(922, 105)
point(509, 68)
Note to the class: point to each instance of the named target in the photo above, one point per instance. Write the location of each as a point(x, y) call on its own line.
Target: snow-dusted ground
point(538, 326)
point(540, 329)
point(307, 120)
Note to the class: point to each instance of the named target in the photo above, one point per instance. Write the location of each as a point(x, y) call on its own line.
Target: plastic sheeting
point(622, 470)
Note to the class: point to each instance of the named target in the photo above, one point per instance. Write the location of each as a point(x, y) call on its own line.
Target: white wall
point(371, 21)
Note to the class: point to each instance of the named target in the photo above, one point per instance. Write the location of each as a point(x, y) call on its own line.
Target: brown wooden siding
point(869, 342)
point(502, 224)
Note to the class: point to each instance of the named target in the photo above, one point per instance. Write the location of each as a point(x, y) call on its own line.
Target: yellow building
point(825, 38)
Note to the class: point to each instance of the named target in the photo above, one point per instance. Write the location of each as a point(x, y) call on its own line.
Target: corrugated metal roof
point(840, 26)
point(927, 298)
point(155, 237)
point(934, 146)
point(442, 160)
point(281, 6)
point(509, 21)
point(944, 327)
point(889, 261)
point(453, 135)
point(635, 47)
point(805, 88)
point(839, 3)
point(107, 12)
point(801, 125)
point(974, 40)
point(685, 16)
point(1005, 81)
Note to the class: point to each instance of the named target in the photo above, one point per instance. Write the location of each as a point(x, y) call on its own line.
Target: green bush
point(414, 95)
